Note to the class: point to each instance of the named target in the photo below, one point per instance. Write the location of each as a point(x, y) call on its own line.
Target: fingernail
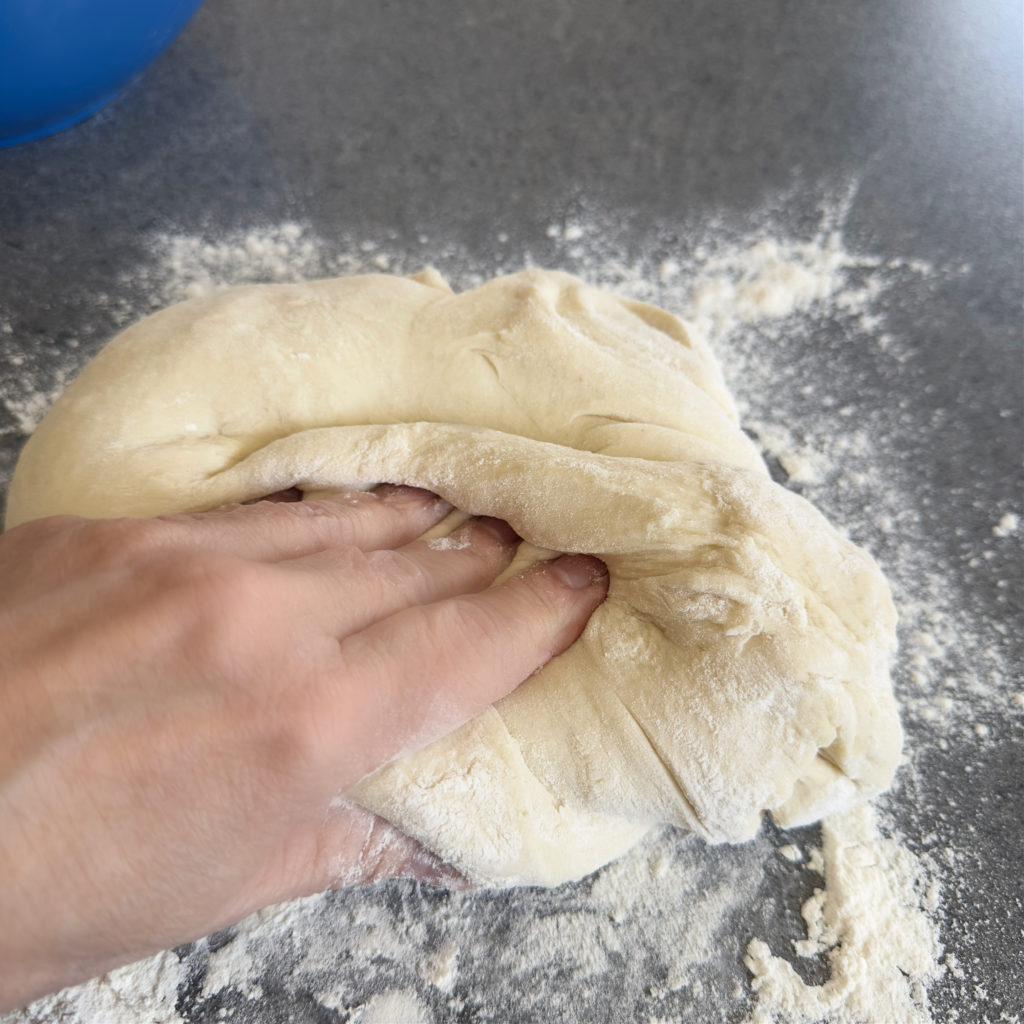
point(291, 494)
point(579, 571)
point(400, 492)
point(498, 529)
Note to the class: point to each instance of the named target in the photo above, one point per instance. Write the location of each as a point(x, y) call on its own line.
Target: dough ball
point(741, 661)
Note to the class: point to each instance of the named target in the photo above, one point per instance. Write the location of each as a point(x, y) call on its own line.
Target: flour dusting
point(872, 920)
point(808, 334)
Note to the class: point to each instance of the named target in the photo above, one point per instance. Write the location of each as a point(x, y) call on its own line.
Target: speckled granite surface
point(472, 128)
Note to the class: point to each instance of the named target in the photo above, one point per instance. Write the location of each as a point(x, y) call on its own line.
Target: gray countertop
point(482, 136)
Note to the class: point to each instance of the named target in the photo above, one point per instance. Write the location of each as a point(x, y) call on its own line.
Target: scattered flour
point(1007, 525)
point(872, 920)
point(441, 969)
point(27, 410)
point(145, 991)
point(662, 934)
point(455, 543)
point(386, 1008)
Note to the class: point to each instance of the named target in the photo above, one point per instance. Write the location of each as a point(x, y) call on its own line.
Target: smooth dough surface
point(741, 661)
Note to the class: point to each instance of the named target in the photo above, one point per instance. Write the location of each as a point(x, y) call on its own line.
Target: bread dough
point(740, 661)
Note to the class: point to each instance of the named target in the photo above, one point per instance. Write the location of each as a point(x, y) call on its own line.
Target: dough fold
point(740, 662)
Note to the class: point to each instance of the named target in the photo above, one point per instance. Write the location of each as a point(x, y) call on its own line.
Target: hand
point(183, 699)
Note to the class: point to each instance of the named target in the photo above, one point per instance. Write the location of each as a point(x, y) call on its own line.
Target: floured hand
point(183, 700)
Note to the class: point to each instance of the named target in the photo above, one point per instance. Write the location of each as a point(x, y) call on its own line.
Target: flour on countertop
point(143, 991)
point(1007, 525)
point(673, 922)
point(872, 920)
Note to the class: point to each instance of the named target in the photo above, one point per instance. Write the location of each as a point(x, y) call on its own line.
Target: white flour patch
point(448, 543)
point(187, 267)
point(388, 1008)
point(873, 920)
point(146, 991)
point(673, 922)
point(28, 409)
point(1007, 526)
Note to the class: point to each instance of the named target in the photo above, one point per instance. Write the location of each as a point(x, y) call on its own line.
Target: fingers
point(279, 529)
point(421, 673)
point(388, 580)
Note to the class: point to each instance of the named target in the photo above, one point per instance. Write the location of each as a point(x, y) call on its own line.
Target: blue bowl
point(61, 60)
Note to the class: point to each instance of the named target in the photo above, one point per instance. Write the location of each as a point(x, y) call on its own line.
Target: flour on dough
point(741, 661)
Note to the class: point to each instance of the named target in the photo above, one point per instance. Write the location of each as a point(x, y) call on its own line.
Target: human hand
point(183, 699)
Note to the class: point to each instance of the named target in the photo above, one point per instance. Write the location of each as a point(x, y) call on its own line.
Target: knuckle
point(124, 540)
point(396, 569)
point(50, 526)
point(36, 548)
point(469, 644)
point(484, 620)
point(245, 655)
point(223, 582)
point(328, 522)
point(490, 630)
point(224, 606)
point(295, 723)
point(331, 522)
point(482, 547)
point(189, 571)
point(292, 740)
point(45, 539)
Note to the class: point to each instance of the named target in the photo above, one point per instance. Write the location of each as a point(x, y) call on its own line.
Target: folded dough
point(740, 662)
